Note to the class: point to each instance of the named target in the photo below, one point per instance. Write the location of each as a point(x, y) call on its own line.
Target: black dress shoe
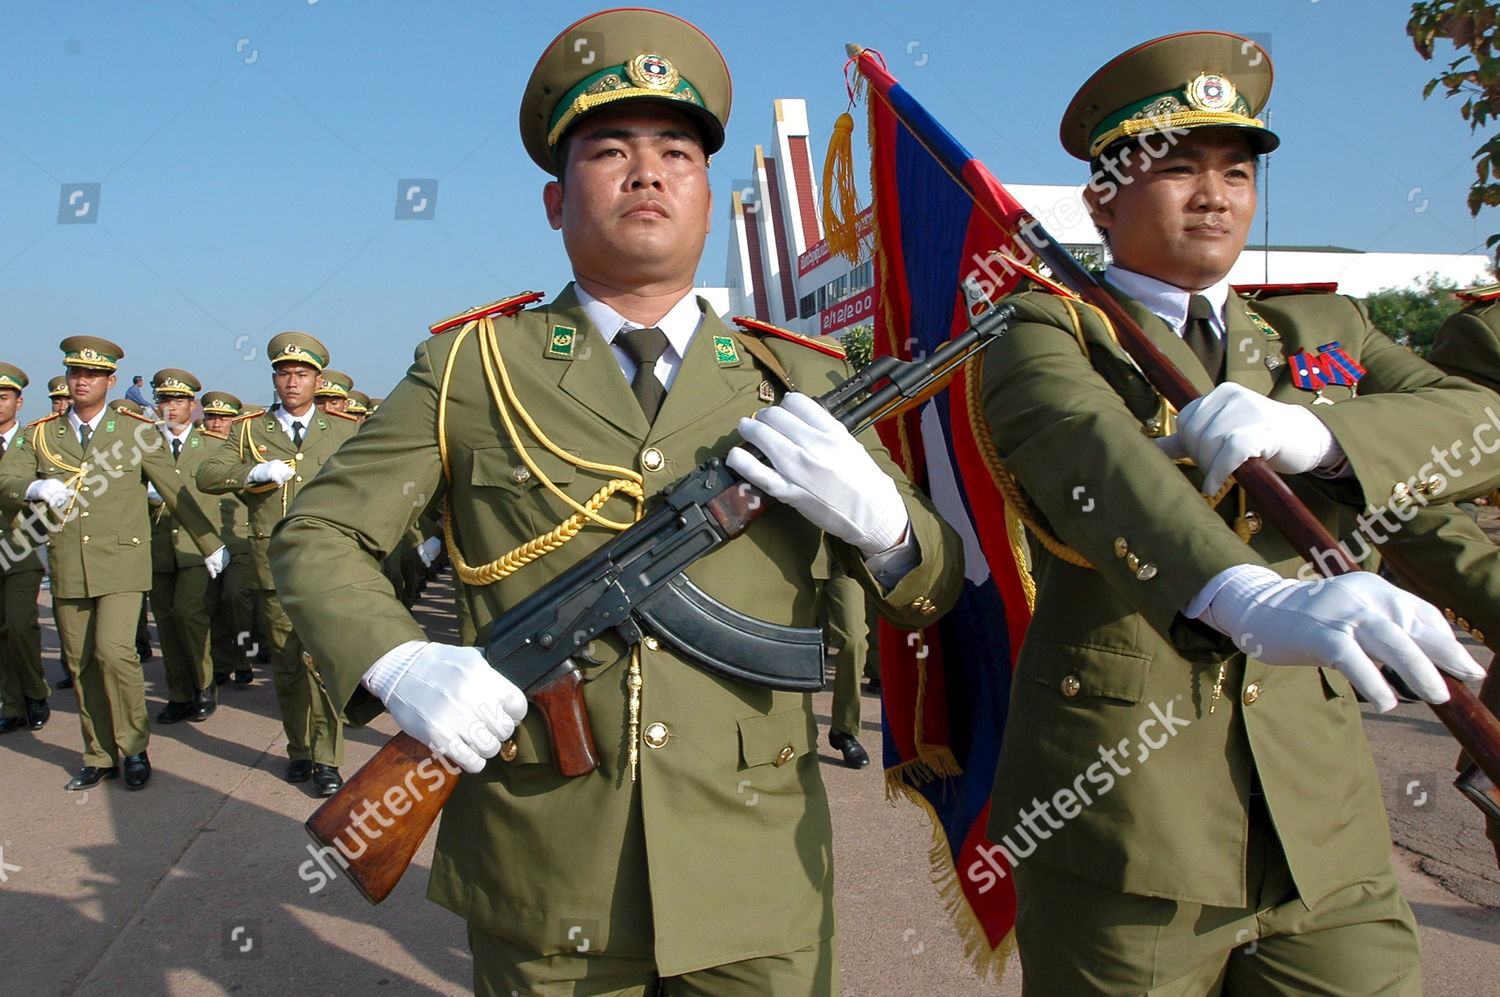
point(326, 780)
point(175, 712)
point(204, 704)
point(855, 755)
point(137, 770)
point(37, 713)
point(8, 724)
point(91, 775)
point(243, 676)
point(300, 770)
point(66, 682)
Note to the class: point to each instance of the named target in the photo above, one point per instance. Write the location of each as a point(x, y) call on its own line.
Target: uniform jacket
point(171, 548)
point(722, 850)
point(18, 543)
point(1111, 669)
point(104, 545)
point(254, 439)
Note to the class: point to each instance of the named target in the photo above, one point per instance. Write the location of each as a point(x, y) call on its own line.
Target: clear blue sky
point(249, 152)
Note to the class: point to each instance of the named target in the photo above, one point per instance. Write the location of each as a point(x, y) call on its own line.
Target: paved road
point(203, 883)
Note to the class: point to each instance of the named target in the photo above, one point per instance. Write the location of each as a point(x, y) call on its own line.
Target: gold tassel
point(840, 208)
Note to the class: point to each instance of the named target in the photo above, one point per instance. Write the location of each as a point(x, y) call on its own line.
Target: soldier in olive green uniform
point(1441, 554)
point(231, 597)
point(23, 685)
point(57, 391)
point(91, 467)
point(359, 405)
point(179, 581)
point(266, 461)
point(332, 394)
point(1199, 793)
point(652, 871)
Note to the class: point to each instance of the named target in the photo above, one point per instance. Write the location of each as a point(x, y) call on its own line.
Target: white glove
point(820, 470)
point(152, 495)
point(51, 491)
point(428, 550)
point(1354, 623)
point(216, 561)
point(271, 472)
point(1230, 424)
point(449, 698)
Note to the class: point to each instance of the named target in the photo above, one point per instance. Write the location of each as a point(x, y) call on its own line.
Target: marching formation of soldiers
point(545, 427)
point(115, 505)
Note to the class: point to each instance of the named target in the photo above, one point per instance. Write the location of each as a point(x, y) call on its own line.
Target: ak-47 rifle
point(633, 583)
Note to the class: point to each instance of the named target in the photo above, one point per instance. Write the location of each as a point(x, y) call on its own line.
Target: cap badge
point(1211, 92)
point(88, 353)
point(653, 73)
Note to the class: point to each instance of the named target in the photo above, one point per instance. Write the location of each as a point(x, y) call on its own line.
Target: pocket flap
point(775, 738)
point(1079, 670)
point(502, 467)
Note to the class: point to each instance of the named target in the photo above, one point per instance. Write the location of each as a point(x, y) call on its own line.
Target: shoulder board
point(1489, 292)
point(505, 306)
point(139, 418)
point(832, 347)
point(43, 419)
point(341, 415)
point(1260, 292)
point(249, 415)
point(214, 436)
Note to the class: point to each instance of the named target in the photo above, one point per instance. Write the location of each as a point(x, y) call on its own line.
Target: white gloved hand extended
point(51, 491)
point(428, 550)
point(823, 472)
point(1354, 623)
point(1230, 424)
point(271, 472)
point(216, 561)
point(449, 698)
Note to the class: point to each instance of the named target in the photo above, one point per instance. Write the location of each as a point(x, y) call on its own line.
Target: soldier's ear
point(552, 200)
point(111, 382)
point(1100, 208)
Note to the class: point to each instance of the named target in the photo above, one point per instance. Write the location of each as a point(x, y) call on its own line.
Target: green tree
point(1412, 315)
point(859, 344)
point(1472, 26)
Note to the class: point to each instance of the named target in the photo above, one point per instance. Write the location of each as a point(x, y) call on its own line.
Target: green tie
point(645, 347)
point(85, 432)
point(1201, 337)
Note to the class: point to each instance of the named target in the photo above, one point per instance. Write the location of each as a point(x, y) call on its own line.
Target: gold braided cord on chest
point(510, 409)
point(247, 445)
point(75, 472)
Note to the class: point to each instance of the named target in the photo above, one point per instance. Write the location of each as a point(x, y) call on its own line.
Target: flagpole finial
point(854, 50)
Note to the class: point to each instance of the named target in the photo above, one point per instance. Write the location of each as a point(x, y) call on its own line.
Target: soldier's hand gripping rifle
point(632, 584)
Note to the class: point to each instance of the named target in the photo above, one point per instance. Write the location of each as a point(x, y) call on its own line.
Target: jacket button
point(85, 512)
point(1071, 686)
point(1133, 562)
point(1122, 547)
point(652, 459)
point(521, 475)
point(1252, 693)
point(656, 735)
point(786, 754)
point(85, 538)
point(508, 750)
point(1253, 522)
point(1146, 572)
point(1463, 624)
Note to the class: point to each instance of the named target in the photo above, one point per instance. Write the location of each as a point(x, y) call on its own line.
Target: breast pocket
point(504, 468)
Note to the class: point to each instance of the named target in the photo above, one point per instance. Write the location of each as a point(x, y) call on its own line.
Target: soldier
point(359, 405)
point(91, 468)
point(653, 863)
point(57, 391)
point(842, 610)
point(266, 461)
point(1200, 790)
point(234, 631)
point(179, 581)
point(23, 684)
point(332, 394)
point(1441, 554)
